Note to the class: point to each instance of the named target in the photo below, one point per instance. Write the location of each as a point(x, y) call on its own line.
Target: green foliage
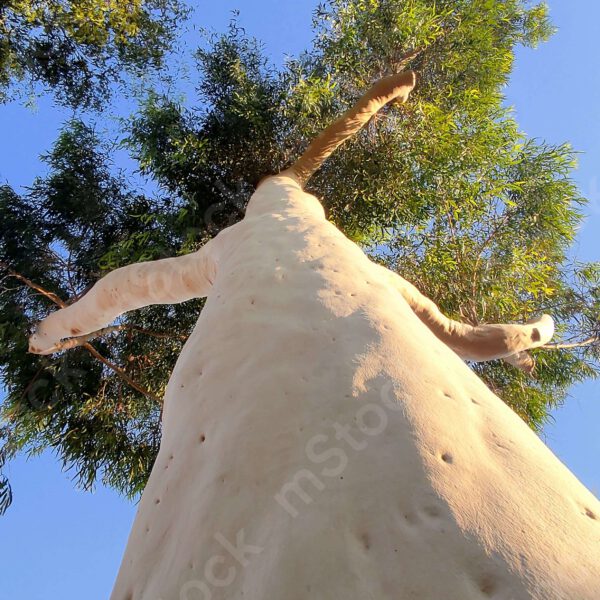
point(72, 225)
point(445, 189)
point(463, 45)
point(78, 48)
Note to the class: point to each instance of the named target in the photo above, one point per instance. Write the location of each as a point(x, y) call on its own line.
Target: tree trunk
point(321, 442)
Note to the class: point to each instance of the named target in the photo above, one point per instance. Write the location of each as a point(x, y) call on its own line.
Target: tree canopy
point(79, 48)
point(445, 190)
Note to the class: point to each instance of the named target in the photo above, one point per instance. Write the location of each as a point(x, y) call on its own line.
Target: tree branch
point(82, 339)
point(592, 340)
point(34, 286)
point(84, 343)
point(393, 87)
point(121, 373)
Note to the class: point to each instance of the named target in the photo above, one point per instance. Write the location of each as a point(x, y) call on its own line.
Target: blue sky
point(59, 542)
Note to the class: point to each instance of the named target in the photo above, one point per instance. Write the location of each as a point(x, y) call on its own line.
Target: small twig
point(81, 294)
point(156, 334)
point(82, 339)
point(70, 276)
point(592, 340)
point(34, 286)
point(30, 384)
point(399, 63)
point(121, 373)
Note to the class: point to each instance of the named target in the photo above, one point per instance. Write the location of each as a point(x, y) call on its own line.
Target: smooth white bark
point(319, 441)
point(167, 281)
point(482, 342)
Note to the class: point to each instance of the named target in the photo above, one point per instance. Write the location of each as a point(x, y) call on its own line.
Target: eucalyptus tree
point(312, 363)
point(445, 190)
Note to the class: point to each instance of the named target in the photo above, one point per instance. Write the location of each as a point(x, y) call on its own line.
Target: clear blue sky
point(58, 542)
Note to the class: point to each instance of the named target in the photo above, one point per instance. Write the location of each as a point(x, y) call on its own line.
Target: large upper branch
point(394, 87)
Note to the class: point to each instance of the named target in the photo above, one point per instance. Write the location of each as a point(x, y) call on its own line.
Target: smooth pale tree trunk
point(323, 439)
